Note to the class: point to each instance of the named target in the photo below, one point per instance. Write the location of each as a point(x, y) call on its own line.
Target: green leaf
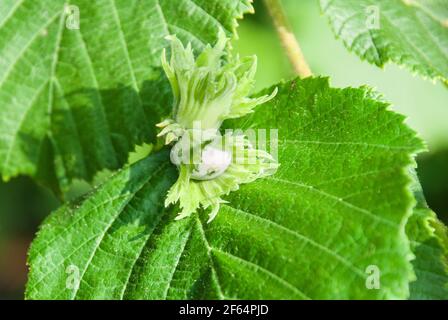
point(429, 242)
point(76, 101)
point(338, 203)
point(411, 33)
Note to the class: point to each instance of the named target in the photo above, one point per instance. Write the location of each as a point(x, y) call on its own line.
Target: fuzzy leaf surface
point(338, 204)
point(410, 33)
point(75, 100)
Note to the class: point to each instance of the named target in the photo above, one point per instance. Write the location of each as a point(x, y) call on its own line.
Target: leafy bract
point(411, 33)
point(429, 242)
point(77, 100)
point(337, 205)
point(207, 91)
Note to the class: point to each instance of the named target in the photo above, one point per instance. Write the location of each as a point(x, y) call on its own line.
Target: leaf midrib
point(13, 10)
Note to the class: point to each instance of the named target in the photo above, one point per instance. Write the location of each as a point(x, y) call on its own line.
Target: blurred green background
point(23, 204)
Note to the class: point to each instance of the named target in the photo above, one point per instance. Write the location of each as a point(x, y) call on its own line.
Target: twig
point(289, 41)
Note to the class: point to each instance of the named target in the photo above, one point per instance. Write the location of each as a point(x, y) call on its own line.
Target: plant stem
point(287, 38)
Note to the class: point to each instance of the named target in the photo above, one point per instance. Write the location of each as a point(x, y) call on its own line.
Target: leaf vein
point(302, 237)
point(339, 200)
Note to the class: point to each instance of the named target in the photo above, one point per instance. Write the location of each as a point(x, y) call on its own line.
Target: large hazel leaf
point(412, 33)
point(75, 101)
point(337, 205)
